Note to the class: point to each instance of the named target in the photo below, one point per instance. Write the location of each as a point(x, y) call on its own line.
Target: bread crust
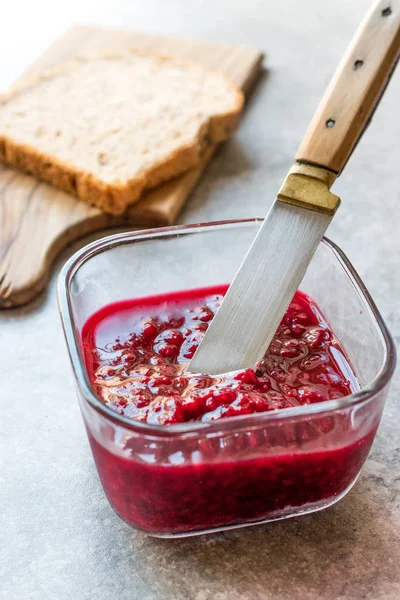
point(113, 197)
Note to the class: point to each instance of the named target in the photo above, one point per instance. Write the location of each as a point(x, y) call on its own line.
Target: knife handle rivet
point(330, 123)
point(357, 65)
point(386, 12)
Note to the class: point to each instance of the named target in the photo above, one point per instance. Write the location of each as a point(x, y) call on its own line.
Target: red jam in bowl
point(136, 353)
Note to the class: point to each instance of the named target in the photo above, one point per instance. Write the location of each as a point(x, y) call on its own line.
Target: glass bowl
point(198, 477)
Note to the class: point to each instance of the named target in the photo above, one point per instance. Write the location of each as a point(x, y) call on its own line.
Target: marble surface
point(60, 540)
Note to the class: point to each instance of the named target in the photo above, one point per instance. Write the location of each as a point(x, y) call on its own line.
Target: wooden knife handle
point(355, 89)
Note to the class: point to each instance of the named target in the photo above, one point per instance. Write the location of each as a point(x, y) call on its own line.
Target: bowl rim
point(73, 264)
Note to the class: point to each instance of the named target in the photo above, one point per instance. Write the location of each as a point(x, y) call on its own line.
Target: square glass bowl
point(193, 478)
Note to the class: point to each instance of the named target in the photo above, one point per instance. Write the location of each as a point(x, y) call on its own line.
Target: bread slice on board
point(105, 128)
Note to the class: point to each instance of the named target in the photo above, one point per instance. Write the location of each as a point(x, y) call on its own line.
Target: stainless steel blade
point(261, 291)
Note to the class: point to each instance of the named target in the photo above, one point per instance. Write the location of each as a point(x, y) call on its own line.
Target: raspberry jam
point(136, 353)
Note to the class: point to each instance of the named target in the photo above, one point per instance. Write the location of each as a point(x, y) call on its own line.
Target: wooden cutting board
point(38, 220)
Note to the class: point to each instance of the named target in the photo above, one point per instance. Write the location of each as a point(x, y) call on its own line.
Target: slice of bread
point(105, 128)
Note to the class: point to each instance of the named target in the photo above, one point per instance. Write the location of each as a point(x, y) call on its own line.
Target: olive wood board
point(38, 221)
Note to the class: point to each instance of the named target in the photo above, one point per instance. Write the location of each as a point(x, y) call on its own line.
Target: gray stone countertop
point(59, 537)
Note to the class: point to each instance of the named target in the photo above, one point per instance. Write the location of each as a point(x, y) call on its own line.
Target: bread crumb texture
point(105, 128)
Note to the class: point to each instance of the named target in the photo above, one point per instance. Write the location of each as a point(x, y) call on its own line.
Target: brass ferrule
point(307, 186)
